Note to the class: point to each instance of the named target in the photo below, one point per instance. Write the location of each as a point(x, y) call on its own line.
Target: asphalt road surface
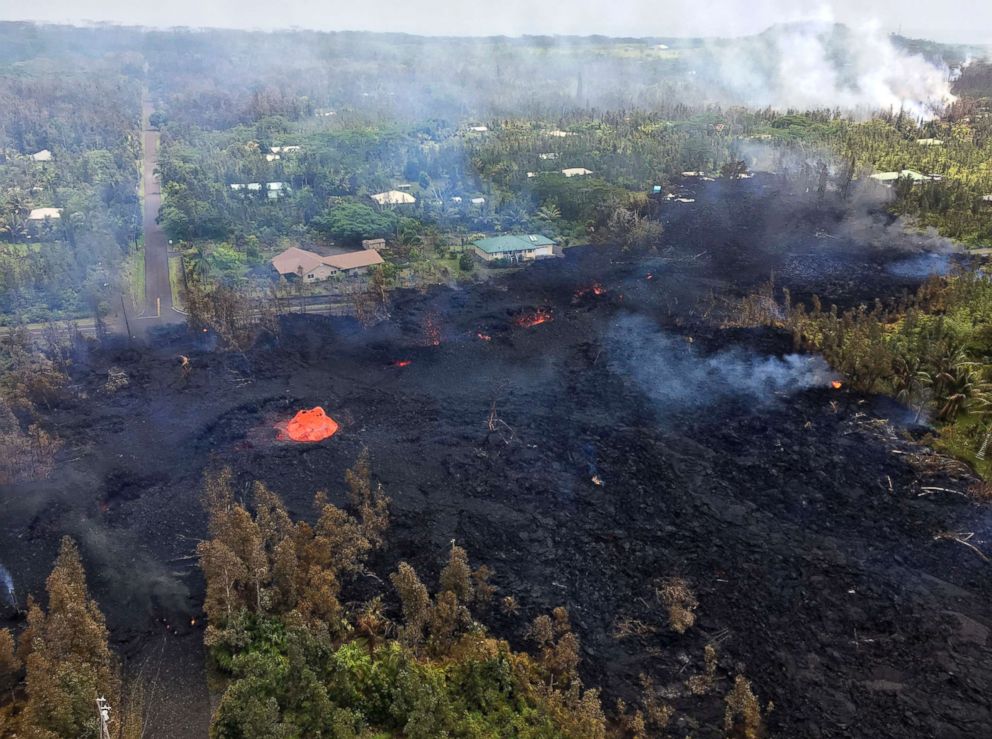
point(158, 308)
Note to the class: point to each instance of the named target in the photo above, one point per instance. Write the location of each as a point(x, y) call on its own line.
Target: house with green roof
point(515, 247)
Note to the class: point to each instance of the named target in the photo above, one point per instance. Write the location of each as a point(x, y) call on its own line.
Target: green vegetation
point(85, 114)
point(932, 353)
point(297, 662)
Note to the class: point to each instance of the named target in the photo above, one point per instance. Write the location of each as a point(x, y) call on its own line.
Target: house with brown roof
point(312, 267)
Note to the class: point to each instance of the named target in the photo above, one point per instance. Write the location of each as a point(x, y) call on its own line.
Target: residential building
point(394, 197)
point(576, 171)
point(41, 214)
point(41, 156)
point(311, 267)
point(514, 247)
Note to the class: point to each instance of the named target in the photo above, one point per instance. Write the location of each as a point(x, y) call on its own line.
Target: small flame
point(836, 384)
point(192, 622)
point(528, 320)
point(595, 289)
point(402, 363)
point(483, 337)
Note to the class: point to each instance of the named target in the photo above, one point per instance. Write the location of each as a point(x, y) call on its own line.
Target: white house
point(41, 214)
point(478, 201)
point(911, 174)
point(576, 171)
point(272, 157)
point(394, 197)
point(41, 156)
point(558, 134)
point(285, 149)
point(275, 190)
point(478, 129)
point(548, 155)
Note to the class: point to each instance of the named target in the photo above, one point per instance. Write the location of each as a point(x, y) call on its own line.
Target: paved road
point(158, 308)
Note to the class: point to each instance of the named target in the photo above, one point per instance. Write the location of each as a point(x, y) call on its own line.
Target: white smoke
point(818, 64)
point(7, 586)
point(675, 376)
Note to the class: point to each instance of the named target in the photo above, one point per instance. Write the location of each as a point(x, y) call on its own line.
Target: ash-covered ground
point(633, 439)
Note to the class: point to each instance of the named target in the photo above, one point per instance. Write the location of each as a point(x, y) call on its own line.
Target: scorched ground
point(586, 428)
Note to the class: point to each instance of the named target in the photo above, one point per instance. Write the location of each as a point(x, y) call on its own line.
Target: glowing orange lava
point(594, 289)
point(402, 362)
point(527, 320)
point(307, 426)
point(483, 337)
point(432, 330)
point(836, 384)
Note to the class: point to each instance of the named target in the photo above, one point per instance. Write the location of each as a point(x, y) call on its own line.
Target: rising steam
point(813, 65)
point(676, 376)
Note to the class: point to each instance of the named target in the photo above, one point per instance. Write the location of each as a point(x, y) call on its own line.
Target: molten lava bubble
point(836, 384)
point(402, 363)
point(534, 319)
point(307, 426)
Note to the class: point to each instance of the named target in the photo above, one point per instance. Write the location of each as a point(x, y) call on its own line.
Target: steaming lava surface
point(639, 441)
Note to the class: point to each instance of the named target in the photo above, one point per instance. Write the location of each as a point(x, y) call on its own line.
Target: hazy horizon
point(633, 18)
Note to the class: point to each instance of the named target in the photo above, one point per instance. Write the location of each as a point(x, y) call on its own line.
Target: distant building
point(478, 129)
point(41, 214)
point(285, 149)
point(249, 186)
point(311, 267)
point(272, 157)
point(515, 248)
point(929, 142)
point(275, 190)
point(457, 200)
point(373, 243)
point(576, 171)
point(394, 197)
point(548, 155)
point(478, 201)
point(560, 134)
point(911, 174)
point(41, 156)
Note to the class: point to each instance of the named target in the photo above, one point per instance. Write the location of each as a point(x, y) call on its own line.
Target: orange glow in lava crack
point(594, 289)
point(836, 384)
point(402, 362)
point(307, 426)
point(527, 320)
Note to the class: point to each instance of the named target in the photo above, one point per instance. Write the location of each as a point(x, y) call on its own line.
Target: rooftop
point(394, 197)
point(513, 242)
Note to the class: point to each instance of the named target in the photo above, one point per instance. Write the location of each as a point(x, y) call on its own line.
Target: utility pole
point(103, 710)
point(127, 325)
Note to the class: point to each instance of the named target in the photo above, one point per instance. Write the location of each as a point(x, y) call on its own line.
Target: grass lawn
point(176, 281)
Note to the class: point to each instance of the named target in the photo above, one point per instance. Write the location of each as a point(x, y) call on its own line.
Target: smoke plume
point(677, 377)
point(814, 65)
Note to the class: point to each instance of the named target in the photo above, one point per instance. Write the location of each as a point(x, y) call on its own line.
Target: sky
point(967, 21)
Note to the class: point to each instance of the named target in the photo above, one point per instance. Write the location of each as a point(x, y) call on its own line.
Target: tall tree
point(70, 664)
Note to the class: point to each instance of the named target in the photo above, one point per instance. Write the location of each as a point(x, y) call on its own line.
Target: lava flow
point(307, 426)
point(483, 337)
point(595, 289)
point(401, 362)
point(836, 384)
point(527, 320)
